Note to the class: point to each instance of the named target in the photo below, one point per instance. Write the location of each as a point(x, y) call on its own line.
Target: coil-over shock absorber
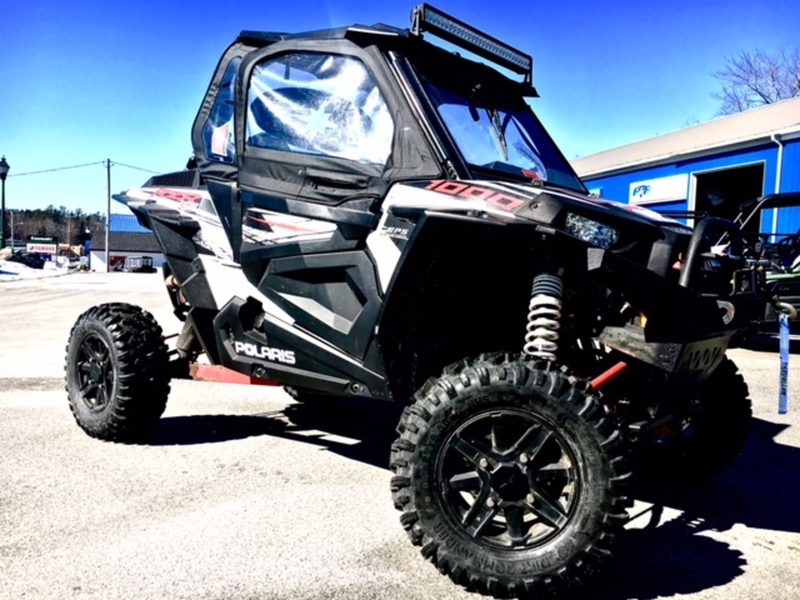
point(544, 317)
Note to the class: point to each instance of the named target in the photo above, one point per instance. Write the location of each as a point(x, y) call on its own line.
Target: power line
point(56, 169)
point(101, 162)
point(132, 167)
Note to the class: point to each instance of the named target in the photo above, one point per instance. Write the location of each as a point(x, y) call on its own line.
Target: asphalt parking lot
point(244, 494)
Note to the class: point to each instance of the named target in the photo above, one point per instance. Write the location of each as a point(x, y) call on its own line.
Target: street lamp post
point(3, 174)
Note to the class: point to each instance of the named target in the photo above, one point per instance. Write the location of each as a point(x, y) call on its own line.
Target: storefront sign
point(663, 189)
point(41, 245)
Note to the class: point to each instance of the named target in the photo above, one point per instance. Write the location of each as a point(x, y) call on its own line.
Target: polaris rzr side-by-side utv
point(368, 213)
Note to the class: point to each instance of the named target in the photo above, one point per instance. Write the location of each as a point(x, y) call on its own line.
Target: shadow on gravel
point(368, 427)
point(663, 559)
point(209, 429)
point(760, 490)
point(671, 557)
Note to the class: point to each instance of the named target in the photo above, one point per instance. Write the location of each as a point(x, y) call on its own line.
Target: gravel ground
point(244, 494)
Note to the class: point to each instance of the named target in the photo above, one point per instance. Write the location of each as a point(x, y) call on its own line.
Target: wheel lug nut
point(529, 498)
point(490, 503)
point(523, 458)
point(483, 463)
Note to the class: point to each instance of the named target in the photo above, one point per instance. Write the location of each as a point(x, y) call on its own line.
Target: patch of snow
point(13, 271)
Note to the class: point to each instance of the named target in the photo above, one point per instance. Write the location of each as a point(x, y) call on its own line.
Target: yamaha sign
point(41, 245)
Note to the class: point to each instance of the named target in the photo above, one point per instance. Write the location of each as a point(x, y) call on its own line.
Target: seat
point(275, 135)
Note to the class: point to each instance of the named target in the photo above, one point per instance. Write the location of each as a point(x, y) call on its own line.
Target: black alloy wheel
point(95, 373)
point(509, 478)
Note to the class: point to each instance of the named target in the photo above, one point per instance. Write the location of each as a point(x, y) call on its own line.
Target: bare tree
point(756, 78)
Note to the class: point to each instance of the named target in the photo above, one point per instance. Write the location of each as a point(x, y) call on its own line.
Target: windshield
point(500, 136)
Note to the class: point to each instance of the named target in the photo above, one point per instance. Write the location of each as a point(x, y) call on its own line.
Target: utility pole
point(108, 211)
point(4, 168)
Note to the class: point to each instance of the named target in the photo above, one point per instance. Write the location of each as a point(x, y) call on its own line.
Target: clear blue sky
point(83, 81)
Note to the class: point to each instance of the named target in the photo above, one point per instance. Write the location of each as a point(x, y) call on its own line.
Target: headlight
point(591, 232)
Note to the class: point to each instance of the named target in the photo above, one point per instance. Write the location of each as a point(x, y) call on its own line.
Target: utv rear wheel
point(511, 478)
point(117, 376)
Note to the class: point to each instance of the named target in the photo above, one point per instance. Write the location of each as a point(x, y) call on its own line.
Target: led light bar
point(427, 18)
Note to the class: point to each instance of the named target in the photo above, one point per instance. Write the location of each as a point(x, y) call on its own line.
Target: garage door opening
point(721, 193)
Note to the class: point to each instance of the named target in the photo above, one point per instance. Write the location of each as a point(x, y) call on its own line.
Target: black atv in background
point(369, 214)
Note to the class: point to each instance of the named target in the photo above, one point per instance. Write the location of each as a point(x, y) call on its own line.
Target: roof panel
point(749, 127)
point(125, 242)
point(126, 224)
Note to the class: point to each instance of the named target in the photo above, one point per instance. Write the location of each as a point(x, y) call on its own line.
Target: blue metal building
point(126, 238)
point(710, 168)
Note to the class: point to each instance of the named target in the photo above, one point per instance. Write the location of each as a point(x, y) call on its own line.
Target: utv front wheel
point(702, 439)
point(510, 477)
point(117, 377)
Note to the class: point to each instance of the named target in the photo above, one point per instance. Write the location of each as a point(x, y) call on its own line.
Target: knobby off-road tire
point(703, 442)
point(117, 376)
point(511, 477)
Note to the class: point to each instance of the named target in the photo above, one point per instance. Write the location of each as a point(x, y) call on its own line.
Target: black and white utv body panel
point(445, 271)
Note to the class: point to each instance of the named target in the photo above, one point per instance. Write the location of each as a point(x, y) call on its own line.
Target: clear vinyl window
point(497, 133)
point(218, 133)
point(320, 104)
